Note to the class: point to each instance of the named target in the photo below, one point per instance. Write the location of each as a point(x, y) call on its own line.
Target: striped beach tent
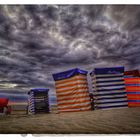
point(109, 88)
point(132, 73)
point(38, 101)
point(132, 81)
point(72, 90)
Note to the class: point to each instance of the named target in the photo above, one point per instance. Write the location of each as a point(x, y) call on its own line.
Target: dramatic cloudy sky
point(38, 40)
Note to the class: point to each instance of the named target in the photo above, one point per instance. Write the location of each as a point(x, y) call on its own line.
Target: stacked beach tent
point(132, 81)
point(109, 88)
point(72, 90)
point(38, 101)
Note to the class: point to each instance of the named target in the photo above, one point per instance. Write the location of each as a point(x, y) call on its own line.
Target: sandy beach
point(113, 121)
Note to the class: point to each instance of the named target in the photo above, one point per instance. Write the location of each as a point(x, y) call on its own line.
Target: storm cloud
point(39, 40)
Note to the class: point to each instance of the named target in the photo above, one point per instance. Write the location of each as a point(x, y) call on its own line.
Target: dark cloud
point(38, 40)
point(127, 15)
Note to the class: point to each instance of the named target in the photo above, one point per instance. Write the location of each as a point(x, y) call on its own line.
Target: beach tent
point(38, 101)
point(132, 81)
point(3, 102)
point(109, 88)
point(4, 108)
point(72, 90)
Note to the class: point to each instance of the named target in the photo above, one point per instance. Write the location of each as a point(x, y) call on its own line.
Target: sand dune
point(113, 121)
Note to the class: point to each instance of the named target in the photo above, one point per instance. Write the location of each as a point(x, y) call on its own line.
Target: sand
point(113, 121)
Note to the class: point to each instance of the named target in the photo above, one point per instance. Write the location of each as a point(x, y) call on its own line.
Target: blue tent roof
point(109, 70)
point(68, 74)
point(35, 90)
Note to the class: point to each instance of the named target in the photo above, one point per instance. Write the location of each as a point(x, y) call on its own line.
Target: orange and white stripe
point(72, 94)
point(133, 91)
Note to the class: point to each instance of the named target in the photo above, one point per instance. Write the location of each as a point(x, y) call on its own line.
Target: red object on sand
point(3, 102)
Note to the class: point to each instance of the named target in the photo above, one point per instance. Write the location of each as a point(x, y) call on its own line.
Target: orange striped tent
point(132, 81)
point(72, 90)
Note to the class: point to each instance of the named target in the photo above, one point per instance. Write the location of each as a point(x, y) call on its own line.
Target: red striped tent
point(133, 87)
point(72, 91)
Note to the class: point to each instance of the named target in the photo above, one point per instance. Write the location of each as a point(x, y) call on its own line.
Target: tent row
point(112, 88)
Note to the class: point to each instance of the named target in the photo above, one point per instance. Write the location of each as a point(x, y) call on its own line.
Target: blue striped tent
point(38, 101)
point(109, 88)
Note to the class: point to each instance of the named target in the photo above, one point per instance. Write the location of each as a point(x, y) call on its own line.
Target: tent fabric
point(31, 105)
point(36, 90)
point(132, 73)
point(72, 93)
point(68, 74)
point(38, 101)
point(3, 102)
point(109, 88)
point(133, 88)
point(110, 70)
